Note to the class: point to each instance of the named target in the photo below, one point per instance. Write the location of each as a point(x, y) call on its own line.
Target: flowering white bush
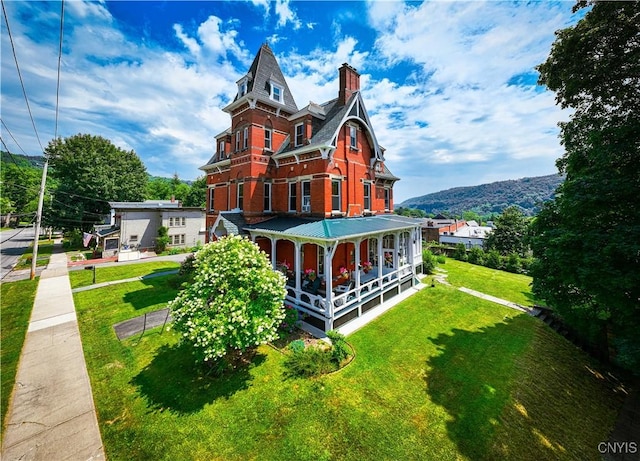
point(235, 300)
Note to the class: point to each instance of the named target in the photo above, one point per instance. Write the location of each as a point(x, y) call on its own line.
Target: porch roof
point(334, 229)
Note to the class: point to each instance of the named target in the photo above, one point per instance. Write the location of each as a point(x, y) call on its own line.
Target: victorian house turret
point(310, 186)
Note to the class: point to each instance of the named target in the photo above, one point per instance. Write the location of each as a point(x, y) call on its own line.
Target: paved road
point(13, 243)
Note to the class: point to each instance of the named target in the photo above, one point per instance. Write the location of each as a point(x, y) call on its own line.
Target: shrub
point(234, 303)
point(296, 345)
point(162, 240)
point(74, 238)
point(288, 324)
point(460, 252)
point(512, 264)
point(493, 260)
point(339, 348)
point(476, 256)
point(442, 259)
point(311, 361)
point(429, 262)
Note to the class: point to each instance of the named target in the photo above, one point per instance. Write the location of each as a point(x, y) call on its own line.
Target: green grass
point(45, 248)
point(442, 376)
point(16, 300)
point(81, 278)
point(512, 287)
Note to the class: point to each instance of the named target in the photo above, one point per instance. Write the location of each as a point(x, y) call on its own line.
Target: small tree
point(234, 303)
point(162, 240)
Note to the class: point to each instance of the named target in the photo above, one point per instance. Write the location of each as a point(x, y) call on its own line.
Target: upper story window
point(245, 137)
point(293, 190)
point(268, 135)
point(177, 221)
point(367, 196)
point(267, 196)
point(387, 199)
point(353, 137)
point(276, 92)
point(237, 140)
point(221, 150)
point(306, 196)
point(299, 135)
point(241, 196)
point(336, 186)
point(242, 88)
point(211, 196)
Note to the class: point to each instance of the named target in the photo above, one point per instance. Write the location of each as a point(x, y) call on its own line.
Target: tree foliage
point(587, 241)
point(191, 195)
point(235, 301)
point(91, 171)
point(510, 233)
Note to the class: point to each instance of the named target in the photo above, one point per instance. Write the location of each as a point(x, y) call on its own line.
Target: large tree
point(91, 172)
point(587, 241)
point(510, 233)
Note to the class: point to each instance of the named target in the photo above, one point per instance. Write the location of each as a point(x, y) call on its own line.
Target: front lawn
point(506, 285)
point(82, 278)
point(443, 375)
point(45, 248)
point(16, 300)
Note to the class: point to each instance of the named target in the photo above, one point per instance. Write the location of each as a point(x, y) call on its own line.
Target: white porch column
point(380, 256)
point(329, 252)
point(296, 264)
point(357, 262)
point(274, 258)
point(396, 250)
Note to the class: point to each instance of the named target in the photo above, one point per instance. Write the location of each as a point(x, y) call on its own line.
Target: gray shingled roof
point(334, 229)
point(264, 69)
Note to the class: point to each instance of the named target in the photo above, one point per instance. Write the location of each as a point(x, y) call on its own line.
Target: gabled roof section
point(325, 130)
point(263, 73)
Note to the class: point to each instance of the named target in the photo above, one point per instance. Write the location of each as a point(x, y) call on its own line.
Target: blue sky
point(450, 86)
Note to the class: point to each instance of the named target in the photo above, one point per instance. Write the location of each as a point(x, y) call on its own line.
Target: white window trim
point(268, 138)
point(305, 207)
point(240, 197)
point(211, 198)
point(387, 199)
point(353, 137)
point(272, 93)
point(237, 140)
point(298, 141)
point(245, 137)
point(339, 195)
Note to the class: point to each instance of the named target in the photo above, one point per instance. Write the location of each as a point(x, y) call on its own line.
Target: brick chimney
point(349, 83)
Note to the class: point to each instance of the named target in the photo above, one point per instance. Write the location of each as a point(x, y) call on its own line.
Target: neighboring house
point(134, 226)
point(453, 231)
point(311, 188)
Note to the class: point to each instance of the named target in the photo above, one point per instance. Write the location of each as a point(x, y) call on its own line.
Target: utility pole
point(36, 238)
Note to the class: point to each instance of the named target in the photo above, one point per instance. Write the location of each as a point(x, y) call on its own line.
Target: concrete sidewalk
point(51, 414)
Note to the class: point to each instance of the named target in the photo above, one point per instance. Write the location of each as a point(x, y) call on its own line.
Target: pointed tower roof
point(264, 82)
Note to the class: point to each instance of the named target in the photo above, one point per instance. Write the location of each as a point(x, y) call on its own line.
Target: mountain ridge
point(491, 198)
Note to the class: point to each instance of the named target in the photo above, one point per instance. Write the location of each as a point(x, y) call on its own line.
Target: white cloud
point(285, 14)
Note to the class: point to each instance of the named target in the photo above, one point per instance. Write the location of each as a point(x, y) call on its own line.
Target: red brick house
point(311, 188)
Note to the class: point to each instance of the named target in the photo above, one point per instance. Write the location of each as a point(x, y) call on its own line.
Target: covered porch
point(340, 269)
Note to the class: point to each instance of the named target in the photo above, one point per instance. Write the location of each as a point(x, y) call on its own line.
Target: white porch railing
point(371, 284)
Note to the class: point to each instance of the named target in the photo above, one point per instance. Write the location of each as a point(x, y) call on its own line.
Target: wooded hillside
point(485, 199)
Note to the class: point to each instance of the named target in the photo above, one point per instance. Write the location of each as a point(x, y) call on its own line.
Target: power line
point(55, 133)
point(24, 91)
point(12, 137)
